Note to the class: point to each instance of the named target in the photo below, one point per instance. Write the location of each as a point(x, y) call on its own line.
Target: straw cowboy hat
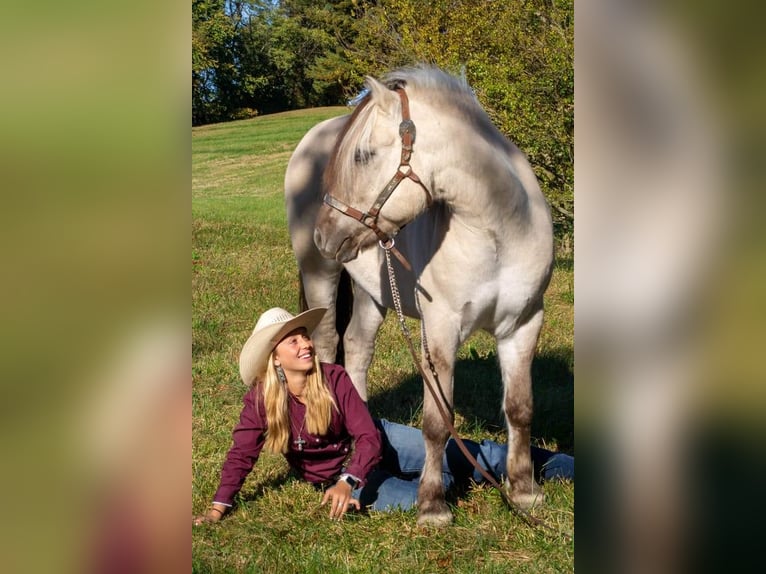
point(271, 328)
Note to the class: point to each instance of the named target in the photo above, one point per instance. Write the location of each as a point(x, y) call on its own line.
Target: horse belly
point(493, 301)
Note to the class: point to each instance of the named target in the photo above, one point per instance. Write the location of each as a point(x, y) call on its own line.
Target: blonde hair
point(319, 405)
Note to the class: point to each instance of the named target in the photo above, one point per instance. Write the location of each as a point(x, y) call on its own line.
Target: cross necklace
point(299, 442)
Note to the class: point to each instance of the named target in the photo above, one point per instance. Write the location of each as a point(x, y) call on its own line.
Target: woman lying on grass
point(311, 413)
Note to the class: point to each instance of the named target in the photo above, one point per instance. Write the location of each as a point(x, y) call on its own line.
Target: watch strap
point(350, 480)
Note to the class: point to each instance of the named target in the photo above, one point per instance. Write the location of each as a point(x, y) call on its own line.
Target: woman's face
point(295, 353)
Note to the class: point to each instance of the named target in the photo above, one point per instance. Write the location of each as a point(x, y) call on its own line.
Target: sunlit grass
point(242, 264)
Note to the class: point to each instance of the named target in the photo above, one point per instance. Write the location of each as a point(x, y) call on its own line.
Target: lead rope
point(524, 515)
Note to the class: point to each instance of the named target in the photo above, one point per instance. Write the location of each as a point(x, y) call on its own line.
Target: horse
point(463, 208)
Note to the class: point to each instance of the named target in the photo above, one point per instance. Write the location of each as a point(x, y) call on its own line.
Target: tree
point(329, 74)
point(212, 36)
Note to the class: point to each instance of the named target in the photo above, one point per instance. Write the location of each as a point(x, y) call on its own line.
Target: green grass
point(242, 264)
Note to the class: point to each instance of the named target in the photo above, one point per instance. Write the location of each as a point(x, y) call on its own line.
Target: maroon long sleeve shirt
point(321, 457)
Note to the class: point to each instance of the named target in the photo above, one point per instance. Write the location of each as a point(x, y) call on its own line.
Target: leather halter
point(369, 218)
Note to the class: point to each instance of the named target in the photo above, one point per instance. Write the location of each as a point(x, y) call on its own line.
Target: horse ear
point(381, 96)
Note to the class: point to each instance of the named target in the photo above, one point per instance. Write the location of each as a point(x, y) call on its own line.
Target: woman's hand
point(214, 514)
point(339, 497)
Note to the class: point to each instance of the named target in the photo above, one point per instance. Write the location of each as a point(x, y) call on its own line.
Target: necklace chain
point(299, 442)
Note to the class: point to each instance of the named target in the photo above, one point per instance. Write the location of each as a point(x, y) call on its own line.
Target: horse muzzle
point(342, 249)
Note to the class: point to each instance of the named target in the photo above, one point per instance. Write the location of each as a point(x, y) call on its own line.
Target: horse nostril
point(318, 238)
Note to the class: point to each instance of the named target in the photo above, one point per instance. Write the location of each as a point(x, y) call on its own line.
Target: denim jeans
point(393, 484)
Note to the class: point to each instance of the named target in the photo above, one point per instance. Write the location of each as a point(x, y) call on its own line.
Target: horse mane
point(337, 170)
point(449, 91)
point(424, 77)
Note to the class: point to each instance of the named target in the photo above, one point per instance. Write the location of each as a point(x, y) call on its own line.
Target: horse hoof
point(438, 516)
point(526, 500)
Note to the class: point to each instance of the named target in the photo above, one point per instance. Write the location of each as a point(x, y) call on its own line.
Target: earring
point(280, 374)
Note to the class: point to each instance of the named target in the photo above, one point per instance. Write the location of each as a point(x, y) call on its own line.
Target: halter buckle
point(407, 126)
point(368, 220)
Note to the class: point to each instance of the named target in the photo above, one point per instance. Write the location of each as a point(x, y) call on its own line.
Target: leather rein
point(369, 218)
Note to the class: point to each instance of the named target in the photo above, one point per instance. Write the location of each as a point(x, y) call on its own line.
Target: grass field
point(242, 264)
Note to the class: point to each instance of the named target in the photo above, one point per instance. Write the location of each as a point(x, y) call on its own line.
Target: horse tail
point(303, 305)
point(344, 304)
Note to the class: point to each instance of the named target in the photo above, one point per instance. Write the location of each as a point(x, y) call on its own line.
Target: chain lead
point(395, 289)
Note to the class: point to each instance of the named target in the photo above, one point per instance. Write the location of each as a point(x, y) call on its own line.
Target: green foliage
point(212, 32)
point(266, 56)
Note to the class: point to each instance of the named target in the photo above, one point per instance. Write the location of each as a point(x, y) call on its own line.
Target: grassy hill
point(242, 264)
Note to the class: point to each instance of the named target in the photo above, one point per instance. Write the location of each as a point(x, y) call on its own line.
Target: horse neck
point(496, 189)
point(479, 173)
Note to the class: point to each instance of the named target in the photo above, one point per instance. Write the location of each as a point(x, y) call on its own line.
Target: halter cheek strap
point(369, 218)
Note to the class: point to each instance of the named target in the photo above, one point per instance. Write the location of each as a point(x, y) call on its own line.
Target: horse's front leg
point(359, 340)
point(432, 507)
point(319, 280)
point(515, 354)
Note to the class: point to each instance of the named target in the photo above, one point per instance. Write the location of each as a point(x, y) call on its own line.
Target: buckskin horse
point(419, 168)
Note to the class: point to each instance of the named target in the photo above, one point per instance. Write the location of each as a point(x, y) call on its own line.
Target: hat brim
point(255, 352)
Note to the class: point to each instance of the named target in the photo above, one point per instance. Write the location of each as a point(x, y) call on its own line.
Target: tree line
point(252, 57)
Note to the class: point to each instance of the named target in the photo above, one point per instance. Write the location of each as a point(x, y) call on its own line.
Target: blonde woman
point(305, 410)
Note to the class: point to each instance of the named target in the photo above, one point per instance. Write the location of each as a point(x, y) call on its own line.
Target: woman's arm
point(212, 514)
point(358, 423)
point(248, 437)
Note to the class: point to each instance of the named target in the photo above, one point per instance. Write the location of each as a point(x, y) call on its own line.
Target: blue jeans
point(393, 484)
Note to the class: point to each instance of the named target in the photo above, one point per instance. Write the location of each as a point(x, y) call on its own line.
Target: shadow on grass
point(478, 398)
point(257, 490)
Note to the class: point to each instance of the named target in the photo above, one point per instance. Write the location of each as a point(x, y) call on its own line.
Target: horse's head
point(371, 189)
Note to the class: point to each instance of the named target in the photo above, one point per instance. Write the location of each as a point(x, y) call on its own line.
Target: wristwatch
point(350, 480)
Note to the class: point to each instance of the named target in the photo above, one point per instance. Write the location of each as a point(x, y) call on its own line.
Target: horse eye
point(363, 157)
